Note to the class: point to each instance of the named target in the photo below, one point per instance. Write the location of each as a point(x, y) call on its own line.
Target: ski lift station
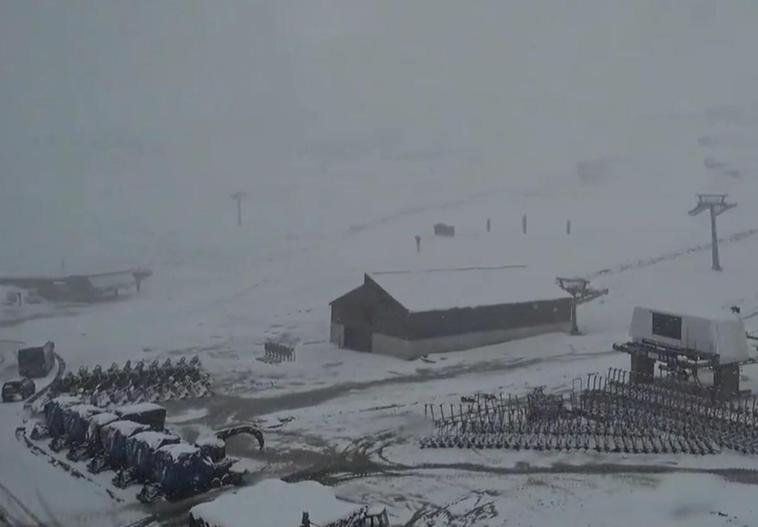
point(410, 314)
point(688, 343)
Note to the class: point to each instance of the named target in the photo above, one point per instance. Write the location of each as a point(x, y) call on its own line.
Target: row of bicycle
point(651, 443)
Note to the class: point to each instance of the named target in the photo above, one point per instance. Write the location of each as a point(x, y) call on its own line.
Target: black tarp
point(149, 414)
point(94, 428)
point(141, 451)
point(114, 436)
point(54, 414)
point(182, 470)
point(76, 421)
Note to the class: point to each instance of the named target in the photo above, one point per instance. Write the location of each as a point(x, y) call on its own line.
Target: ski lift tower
point(238, 197)
point(716, 204)
point(577, 288)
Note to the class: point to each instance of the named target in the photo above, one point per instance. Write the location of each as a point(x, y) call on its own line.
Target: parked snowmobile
point(18, 390)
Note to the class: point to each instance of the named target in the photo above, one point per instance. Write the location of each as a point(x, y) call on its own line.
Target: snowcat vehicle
point(18, 390)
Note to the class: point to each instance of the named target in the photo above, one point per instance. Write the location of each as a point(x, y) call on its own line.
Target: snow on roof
point(443, 289)
point(112, 280)
point(274, 503)
point(247, 464)
point(103, 418)
point(138, 408)
point(67, 400)
point(694, 310)
point(375, 510)
point(154, 439)
point(177, 450)
point(127, 428)
point(85, 410)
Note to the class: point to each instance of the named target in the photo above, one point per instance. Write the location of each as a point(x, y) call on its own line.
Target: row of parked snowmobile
point(140, 382)
point(132, 441)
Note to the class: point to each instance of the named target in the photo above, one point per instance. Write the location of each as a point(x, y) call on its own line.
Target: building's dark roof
point(341, 297)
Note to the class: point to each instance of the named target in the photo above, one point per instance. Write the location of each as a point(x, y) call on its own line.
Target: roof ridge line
point(448, 269)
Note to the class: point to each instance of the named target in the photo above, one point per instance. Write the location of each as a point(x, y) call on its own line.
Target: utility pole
point(716, 204)
point(140, 275)
point(418, 243)
point(238, 197)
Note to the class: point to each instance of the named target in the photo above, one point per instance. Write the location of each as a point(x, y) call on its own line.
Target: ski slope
point(630, 233)
point(354, 129)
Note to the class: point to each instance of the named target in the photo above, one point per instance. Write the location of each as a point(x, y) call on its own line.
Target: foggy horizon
point(378, 263)
point(144, 116)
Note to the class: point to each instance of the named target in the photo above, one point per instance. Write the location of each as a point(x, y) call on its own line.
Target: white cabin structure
point(721, 336)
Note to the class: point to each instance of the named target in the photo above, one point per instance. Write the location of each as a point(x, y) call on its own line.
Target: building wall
point(369, 307)
point(337, 334)
point(393, 346)
point(458, 321)
point(411, 349)
point(385, 326)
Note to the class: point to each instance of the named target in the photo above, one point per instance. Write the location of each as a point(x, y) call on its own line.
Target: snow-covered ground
point(369, 126)
point(630, 233)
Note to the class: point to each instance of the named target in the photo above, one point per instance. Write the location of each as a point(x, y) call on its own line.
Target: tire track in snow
point(6, 517)
point(223, 408)
point(352, 465)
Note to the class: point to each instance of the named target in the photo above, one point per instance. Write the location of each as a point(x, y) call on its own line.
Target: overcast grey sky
point(106, 100)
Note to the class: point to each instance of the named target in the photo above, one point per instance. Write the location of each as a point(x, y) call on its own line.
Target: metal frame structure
point(683, 363)
point(581, 292)
point(238, 197)
point(576, 287)
point(683, 356)
point(716, 204)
